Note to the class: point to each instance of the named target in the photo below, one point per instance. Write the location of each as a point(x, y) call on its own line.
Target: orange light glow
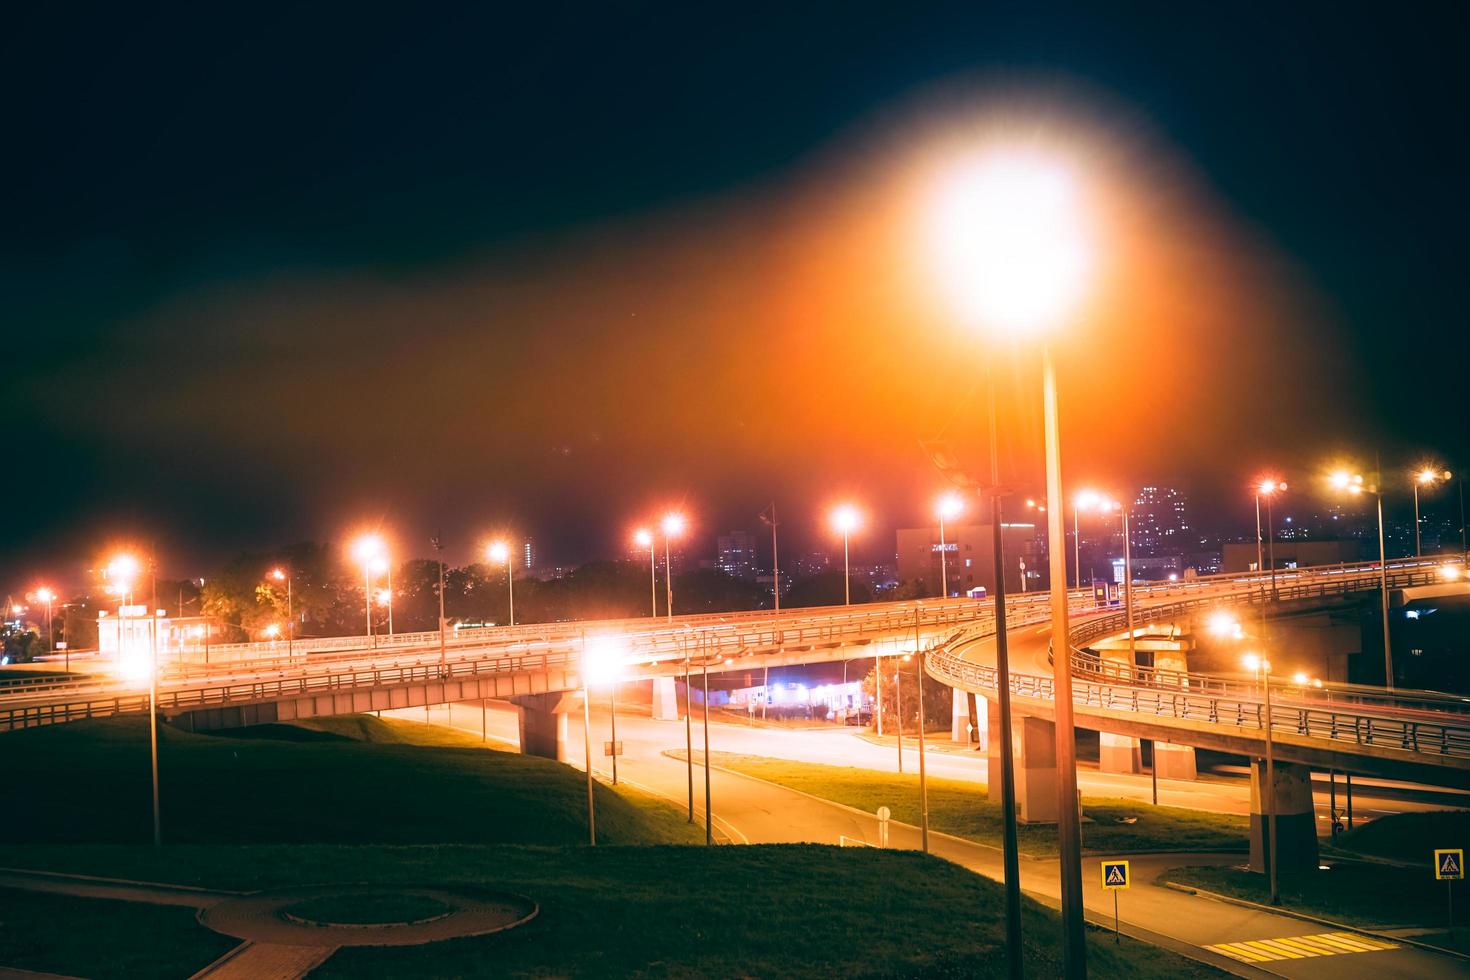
point(1267, 487)
point(643, 538)
point(44, 595)
point(673, 524)
point(846, 519)
point(1007, 239)
point(949, 506)
point(499, 552)
point(369, 548)
point(278, 574)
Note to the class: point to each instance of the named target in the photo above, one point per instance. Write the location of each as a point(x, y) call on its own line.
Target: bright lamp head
point(1008, 240)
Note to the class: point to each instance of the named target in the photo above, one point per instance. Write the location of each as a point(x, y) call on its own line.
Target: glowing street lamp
point(845, 520)
point(604, 661)
point(948, 506)
point(1012, 246)
point(643, 538)
point(368, 550)
point(1352, 483)
point(499, 552)
point(45, 595)
point(281, 575)
point(1261, 667)
point(1426, 477)
point(122, 572)
point(1268, 488)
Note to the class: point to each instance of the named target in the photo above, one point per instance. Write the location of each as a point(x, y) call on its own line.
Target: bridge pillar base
point(665, 699)
point(1174, 761)
point(961, 721)
point(1118, 753)
point(544, 724)
point(1296, 820)
point(1033, 745)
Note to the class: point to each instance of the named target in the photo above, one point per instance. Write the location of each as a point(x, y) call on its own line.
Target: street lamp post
point(280, 575)
point(949, 505)
point(1012, 244)
point(1353, 483)
point(1263, 668)
point(500, 552)
point(368, 549)
point(438, 542)
point(1427, 477)
point(1268, 489)
point(673, 525)
point(587, 745)
point(47, 596)
point(845, 520)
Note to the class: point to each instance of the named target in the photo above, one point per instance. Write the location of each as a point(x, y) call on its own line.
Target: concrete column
point(961, 720)
point(1034, 749)
point(544, 723)
point(1118, 753)
point(1296, 821)
point(1174, 761)
point(665, 699)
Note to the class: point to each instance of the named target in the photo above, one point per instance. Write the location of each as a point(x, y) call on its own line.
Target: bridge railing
point(1446, 737)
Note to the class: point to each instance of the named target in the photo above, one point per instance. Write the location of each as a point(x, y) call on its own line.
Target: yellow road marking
point(1300, 947)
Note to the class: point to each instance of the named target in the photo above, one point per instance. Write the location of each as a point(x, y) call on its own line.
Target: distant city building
point(529, 554)
point(805, 566)
point(1160, 521)
point(971, 557)
point(1240, 556)
point(735, 554)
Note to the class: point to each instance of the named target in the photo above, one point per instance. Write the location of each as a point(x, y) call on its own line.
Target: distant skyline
point(277, 277)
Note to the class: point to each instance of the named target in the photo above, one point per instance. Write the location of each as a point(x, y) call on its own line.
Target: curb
point(125, 882)
point(1303, 916)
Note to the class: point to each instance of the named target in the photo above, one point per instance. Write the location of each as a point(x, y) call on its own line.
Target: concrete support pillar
point(544, 723)
point(665, 699)
point(1034, 751)
point(961, 720)
point(1296, 821)
point(1174, 761)
point(1118, 753)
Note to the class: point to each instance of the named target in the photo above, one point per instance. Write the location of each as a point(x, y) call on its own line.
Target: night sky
point(275, 274)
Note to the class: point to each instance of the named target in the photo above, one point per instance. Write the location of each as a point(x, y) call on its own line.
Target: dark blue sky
point(158, 161)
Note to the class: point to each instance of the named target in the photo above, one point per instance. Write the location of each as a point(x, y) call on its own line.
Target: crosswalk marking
point(1300, 947)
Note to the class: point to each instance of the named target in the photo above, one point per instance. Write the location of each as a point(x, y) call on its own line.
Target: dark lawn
point(89, 782)
point(770, 911)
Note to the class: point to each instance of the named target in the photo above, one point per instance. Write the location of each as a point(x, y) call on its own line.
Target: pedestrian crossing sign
point(1449, 864)
point(1115, 875)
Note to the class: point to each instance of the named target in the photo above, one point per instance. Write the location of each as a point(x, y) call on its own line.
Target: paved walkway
point(476, 912)
point(266, 961)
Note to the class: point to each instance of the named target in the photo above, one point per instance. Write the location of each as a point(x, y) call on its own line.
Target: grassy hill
point(351, 780)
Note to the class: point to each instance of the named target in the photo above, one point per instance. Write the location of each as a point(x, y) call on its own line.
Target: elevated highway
point(1408, 734)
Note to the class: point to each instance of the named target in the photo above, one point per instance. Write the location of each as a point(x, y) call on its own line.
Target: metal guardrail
point(660, 645)
point(1425, 723)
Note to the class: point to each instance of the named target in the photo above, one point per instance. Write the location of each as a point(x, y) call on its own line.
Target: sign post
point(883, 814)
point(1115, 879)
point(1449, 867)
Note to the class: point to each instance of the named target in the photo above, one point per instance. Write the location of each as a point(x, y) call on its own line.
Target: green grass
point(960, 808)
point(1355, 893)
point(367, 908)
point(769, 911)
point(1409, 836)
point(100, 938)
point(89, 782)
